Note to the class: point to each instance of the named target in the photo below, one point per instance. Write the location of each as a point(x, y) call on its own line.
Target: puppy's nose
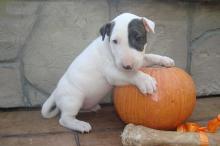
point(127, 67)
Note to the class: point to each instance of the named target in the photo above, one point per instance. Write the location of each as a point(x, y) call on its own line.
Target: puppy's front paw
point(168, 62)
point(146, 83)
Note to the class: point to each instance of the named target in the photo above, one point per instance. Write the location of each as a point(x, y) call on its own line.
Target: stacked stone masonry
point(39, 39)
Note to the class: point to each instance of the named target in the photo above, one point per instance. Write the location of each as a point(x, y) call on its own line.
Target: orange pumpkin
point(177, 98)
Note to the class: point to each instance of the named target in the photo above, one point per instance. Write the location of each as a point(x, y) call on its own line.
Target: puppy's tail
point(49, 108)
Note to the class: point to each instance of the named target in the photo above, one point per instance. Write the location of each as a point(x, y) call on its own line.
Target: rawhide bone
point(143, 136)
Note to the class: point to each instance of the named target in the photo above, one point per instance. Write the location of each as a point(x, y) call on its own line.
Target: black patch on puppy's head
point(106, 30)
point(137, 35)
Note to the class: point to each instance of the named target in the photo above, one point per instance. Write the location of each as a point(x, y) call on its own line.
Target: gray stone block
point(10, 86)
point(171, 26)
point(34, 96)
point(206, 64)
point(14, 32)
point(21, 8)
point(206, 17)
point(64, 29)
point(14, 28)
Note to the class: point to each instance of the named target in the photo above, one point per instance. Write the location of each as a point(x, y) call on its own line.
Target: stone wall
point(39, 39)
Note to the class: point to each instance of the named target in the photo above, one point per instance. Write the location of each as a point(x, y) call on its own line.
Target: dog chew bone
point(143, 136)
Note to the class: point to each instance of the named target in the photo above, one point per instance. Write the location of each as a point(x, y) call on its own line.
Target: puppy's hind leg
point(69, 107)
point(96, 108)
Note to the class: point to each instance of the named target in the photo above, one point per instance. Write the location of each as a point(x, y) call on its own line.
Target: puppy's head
point(127, 38)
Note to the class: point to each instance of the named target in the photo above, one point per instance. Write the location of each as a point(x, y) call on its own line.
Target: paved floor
point(28, 128)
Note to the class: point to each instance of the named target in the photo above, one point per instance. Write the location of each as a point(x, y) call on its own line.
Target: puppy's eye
point(115, 41)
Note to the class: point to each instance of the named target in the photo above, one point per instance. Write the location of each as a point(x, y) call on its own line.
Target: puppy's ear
point(106, 30)
point(148, 24)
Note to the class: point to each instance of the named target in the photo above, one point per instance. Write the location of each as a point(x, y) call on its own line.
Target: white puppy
point(114, 58)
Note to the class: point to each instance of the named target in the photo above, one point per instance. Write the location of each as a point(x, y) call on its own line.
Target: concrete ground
point(24, 127)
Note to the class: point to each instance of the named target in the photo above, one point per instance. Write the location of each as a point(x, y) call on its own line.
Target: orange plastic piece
point(212, 127)
point(214, 124)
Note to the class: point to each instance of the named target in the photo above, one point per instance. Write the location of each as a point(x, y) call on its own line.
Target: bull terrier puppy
point(113, 58)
